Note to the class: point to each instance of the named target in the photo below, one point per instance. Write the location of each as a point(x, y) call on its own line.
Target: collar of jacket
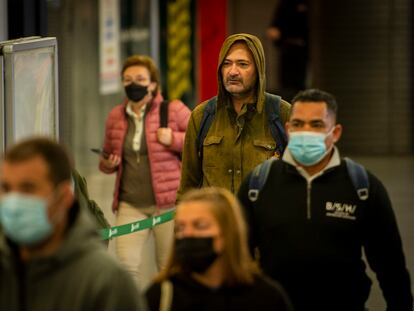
point(333, 162)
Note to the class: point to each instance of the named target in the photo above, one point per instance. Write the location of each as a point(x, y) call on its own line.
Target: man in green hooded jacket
point(239, 137)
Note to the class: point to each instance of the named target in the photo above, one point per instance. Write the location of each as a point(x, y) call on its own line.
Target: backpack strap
point(272, 104)
point(272, 107)
point(258, 179)
point(359, 178)
point(166, 295)
point(206, 121)
point(164, 113)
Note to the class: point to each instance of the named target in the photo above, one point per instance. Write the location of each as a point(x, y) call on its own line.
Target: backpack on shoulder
point(357, 173)
point(272, 107)
point(164, 117)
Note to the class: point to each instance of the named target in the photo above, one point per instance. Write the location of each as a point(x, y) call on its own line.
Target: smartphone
point(100, 152)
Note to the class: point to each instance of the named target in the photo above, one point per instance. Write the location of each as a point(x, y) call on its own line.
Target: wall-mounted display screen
point(30, 99)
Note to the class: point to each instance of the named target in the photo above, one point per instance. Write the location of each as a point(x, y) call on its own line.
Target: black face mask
point(195, 254)
point(136, 92)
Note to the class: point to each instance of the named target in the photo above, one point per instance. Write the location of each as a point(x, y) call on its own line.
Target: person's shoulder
point(266, 282)
point(284, 108)
point(272, 290)
point(272, 164)
point(284, 104)
point(198, 111)
point(178, 106)
point(93, 256)
point(371, 176)
point(83, 248)
point(176, 103)
point(90, 257)
point(117, 111)
point(268, 286)
point(200, 107)
point(375, 184)
point(112, 267)
point(115, 284)
point(104, 271)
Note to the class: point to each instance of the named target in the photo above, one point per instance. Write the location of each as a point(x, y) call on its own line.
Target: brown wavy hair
point(147, 62)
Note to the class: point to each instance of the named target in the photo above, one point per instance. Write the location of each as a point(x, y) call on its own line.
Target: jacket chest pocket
point(212, 150)
point(264, 148)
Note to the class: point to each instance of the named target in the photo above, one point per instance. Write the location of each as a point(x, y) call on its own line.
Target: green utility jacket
point(234, 144)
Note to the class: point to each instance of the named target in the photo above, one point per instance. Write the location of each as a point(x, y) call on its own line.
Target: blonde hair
point(239, 267)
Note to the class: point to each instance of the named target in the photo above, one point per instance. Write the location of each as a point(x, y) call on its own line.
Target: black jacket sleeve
point(384, 250)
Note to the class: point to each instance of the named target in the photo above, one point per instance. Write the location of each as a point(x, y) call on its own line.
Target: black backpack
point(356, 171)
point(272, 103)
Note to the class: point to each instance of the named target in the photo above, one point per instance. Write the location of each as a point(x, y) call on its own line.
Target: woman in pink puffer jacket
point(146, 160)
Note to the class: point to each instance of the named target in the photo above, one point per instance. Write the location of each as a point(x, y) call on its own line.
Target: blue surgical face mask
point(308, 148)
point(24, 219)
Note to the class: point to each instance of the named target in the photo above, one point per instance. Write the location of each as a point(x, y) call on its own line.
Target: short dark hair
point(54, 154)
point(315, 95)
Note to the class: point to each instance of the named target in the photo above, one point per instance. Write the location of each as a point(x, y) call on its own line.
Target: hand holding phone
point(104, 154)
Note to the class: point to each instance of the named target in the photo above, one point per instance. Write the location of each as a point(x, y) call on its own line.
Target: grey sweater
point(81, 275)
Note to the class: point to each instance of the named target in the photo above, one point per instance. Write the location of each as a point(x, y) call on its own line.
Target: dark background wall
point(363, 54)
point(361, 51)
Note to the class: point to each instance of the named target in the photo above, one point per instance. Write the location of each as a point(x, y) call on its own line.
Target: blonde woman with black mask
point(210, 267)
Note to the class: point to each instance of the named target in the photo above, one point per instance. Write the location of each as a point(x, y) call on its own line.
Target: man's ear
point(66, 195)
point(337, 133)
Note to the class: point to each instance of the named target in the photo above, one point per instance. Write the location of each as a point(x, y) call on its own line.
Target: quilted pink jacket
point(165, 166)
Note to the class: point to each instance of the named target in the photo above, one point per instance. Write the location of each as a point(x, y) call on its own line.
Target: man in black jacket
point(310, 225)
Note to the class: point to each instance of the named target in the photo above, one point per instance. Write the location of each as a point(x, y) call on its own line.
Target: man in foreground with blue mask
point(310, 223)
point(51, 257)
